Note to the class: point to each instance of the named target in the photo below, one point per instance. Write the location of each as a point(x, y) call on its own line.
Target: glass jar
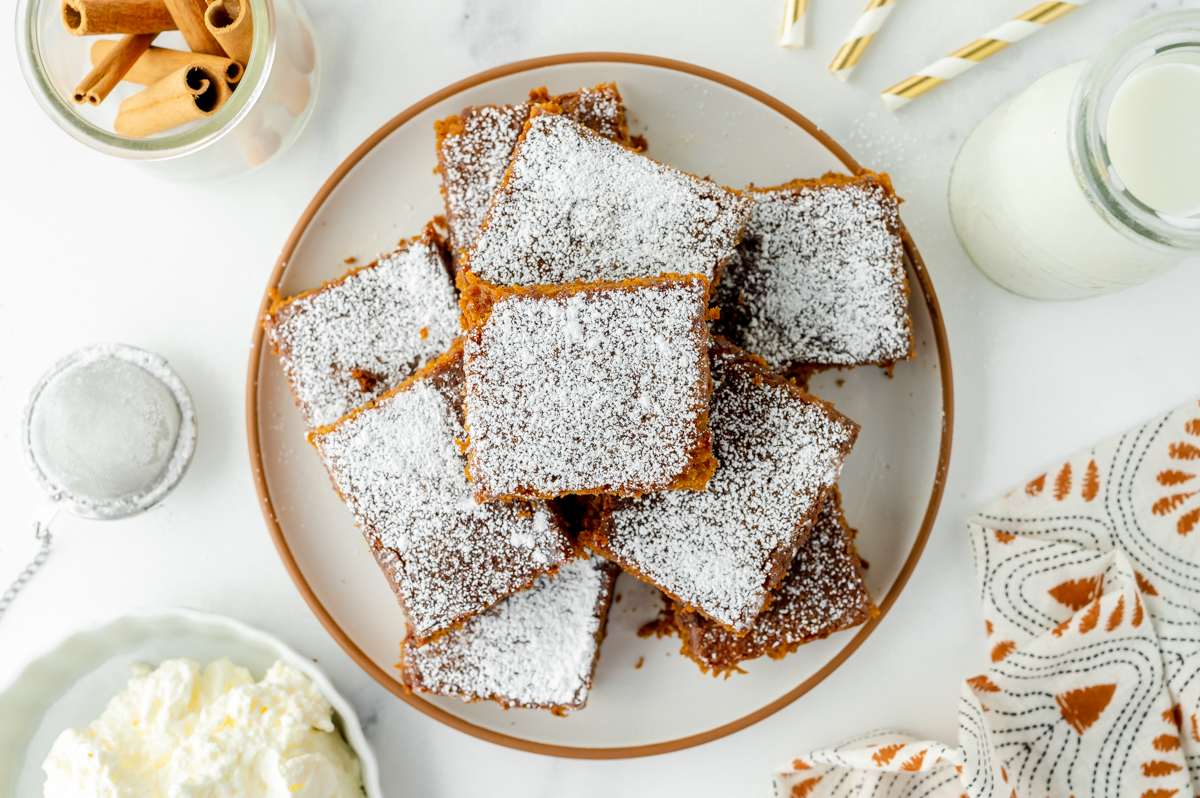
point(1034, 197)
point(262, 117)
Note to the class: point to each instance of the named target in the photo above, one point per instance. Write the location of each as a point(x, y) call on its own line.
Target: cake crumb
point(366, 380)
point(663, 624)
point(639, 663)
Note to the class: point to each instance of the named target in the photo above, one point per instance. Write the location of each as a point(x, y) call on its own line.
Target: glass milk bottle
point(1089, 180)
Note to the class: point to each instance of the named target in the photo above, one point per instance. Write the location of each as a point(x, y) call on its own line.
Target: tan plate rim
point(916, 267)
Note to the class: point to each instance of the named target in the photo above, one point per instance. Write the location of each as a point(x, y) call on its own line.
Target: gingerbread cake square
point(576, 207)
point(357, 337)
point(398, 465)
point(475, 147)
point(720, 551)
point(818, 279)
point(599, 388)
point(824, 592)
point(535, 649)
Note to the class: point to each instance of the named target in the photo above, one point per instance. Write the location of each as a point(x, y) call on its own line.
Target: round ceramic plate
point(646, 698)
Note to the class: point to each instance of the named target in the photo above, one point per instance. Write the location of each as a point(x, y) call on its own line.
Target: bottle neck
point(1173, 35)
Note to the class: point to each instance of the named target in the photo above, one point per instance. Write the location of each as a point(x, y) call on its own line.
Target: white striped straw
point(866, 26)
point(793, 24)
point(959, 62)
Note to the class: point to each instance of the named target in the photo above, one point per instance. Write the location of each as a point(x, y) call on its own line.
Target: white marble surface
point(95, 250)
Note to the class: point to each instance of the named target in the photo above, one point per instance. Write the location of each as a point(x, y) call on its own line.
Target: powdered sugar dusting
point(578, 207)
point(473, 161)
point(598, 108)
point(536, 648)
point(473, 164)
point(369, 331)
point(819, 278)
point(596, 389)
point(779, 453)
point(403, 478)
point(823, 593)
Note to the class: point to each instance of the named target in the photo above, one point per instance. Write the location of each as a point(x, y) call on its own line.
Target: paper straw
point(860, 35)
point(959, 62)
point(793, 24)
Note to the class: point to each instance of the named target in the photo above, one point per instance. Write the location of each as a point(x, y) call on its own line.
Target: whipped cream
point(178, 731)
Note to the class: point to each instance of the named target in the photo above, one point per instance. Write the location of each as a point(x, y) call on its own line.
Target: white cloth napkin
point(1090, 581)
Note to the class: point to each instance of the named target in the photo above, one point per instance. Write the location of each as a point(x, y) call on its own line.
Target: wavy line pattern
point(1082, 696)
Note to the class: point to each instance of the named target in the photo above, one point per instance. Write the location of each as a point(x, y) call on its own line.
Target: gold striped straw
point(959, 62)
point(867, 25)
point(793, 24)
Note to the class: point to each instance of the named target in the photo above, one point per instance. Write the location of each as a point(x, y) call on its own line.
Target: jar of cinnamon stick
point(196, 90)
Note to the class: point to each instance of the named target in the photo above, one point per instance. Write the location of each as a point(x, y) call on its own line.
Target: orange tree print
point(1065, 481)
point(1181, 482)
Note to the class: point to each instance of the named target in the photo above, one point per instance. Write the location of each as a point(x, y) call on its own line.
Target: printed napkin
point(1090, 581)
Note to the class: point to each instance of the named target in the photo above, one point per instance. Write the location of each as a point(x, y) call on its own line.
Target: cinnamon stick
point(230, 23)
point(192, 92)
point(189, 16)
point(93, 17)
point(158, 62)
point(112, 69)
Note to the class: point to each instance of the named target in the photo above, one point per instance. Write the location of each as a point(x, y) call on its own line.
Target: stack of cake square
point(559, 345)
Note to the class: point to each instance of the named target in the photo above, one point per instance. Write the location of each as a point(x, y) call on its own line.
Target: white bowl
point(71, 684)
